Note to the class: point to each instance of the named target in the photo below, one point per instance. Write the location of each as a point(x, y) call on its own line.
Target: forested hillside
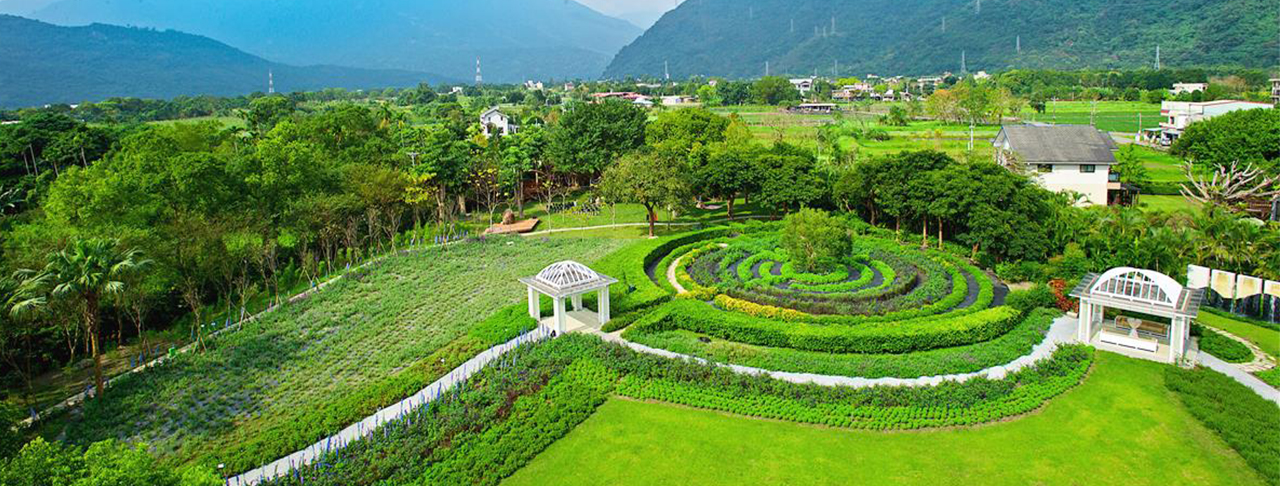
point(737, 37)
point(42, 63)
point(516, 39)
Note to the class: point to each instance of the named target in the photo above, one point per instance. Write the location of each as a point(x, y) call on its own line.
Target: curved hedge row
point(871, 338)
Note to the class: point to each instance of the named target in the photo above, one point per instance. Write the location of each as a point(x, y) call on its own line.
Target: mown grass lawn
point(1120, 427)
point(1267, 340)
point(1167, 204)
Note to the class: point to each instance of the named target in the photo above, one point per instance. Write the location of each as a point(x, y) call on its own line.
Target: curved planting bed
point(882, 302)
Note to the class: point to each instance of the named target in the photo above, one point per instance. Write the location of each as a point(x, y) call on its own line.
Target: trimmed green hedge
point(963, 359)
point(872, 338)
point(1247, 422)
point(1217, 344)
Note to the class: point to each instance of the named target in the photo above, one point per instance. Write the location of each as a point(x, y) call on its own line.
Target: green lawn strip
point(1167, 204)
point(1268, 340)
point(317, 365)
point(962, 359)
point(1270, 377)
point(1245, 420)
point(1119, 426)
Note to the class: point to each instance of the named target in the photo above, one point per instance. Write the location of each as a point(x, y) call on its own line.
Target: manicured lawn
point(1120, 427)
point(261, 388)
point(1167, 204)
point(1265, 339)
point(1161, 166)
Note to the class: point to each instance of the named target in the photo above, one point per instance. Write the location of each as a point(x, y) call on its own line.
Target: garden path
point(1061, 332)
point(1246, 379)
point(1261, 361)
point(363, 428)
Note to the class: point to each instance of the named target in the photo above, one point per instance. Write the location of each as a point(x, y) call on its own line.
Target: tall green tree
point(86, 271)
point(590, 136)
point(649, 179)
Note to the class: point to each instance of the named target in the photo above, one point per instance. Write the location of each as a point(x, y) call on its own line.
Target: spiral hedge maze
point(884, 298)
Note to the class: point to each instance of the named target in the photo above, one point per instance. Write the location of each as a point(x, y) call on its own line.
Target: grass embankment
point(318, 365)
point(1121, 426)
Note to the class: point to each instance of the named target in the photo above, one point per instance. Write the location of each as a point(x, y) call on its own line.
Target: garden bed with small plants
point(503, 417)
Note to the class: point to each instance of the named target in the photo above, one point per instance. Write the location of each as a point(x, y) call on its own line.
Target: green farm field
point(1120, 426)
point(1109, 116)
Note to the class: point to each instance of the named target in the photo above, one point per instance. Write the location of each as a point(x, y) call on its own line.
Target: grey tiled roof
point(1062, 144)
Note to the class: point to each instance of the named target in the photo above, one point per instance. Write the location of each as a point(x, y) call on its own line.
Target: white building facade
point(495, 121)
point(1178, 115)
point(1062, 158)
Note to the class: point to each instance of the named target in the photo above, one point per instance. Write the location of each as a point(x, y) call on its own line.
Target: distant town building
point(569, 86)
point(622, 95)
point(533, 85)
point(931, 82)
point(643, 102)
point(803, 85)
point(648, 85)
point(1275, 92)
point(1178, 115)
point(981, 75)
point(495, 121)
point(676, 100)
point(814, 108)
point(1062, 158)
point(1188, 88)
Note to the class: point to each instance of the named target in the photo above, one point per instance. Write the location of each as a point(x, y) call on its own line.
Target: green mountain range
point(515, 39)
point(42, 63)
point(736, 38)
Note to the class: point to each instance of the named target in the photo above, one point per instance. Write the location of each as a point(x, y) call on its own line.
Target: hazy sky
point(614, 7)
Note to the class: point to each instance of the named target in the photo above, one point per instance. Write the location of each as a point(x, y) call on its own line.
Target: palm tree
point(84, 272)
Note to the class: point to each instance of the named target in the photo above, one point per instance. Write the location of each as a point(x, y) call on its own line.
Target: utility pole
point(271, 82)
point(964, 63)
point(666, 71)
point(479, 77)
point(1157, 57)
point(1019, 44)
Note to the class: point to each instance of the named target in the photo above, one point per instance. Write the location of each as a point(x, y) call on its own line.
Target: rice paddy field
point(316, 366)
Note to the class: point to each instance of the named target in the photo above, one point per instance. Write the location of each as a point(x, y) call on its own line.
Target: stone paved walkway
point(392, 413)
point(1261, 361)
point(1246, 379)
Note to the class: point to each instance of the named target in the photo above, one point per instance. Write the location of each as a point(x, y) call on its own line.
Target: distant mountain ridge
point(736, 38)
point(514, 39)
point(42, 63)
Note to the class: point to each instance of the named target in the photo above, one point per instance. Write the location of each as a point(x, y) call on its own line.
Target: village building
point(814, 108)
point(1188, 88)
point(1065, 158)
point(803, 85)
point(495, 121)
point(1178, 115)
point(533, 85)
point(1275, 92)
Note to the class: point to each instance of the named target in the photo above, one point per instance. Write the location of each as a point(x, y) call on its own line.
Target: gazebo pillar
point(603, 304)
point(560, 321)
point(1085, 332)
point(1178, 338)
point(577, 302)
point(535, 307)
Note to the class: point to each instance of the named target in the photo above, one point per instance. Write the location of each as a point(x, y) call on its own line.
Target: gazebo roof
point(1140, 290)
point(568, 278)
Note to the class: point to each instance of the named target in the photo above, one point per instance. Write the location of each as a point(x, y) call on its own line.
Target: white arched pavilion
point(1145, 292)
point(569, 280)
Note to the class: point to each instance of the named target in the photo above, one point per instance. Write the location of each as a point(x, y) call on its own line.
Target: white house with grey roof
point(1062, 158)
point(495, 121)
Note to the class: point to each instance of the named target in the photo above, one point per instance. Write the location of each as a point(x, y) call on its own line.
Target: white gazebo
point(569, 280)
point(1142, 291)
